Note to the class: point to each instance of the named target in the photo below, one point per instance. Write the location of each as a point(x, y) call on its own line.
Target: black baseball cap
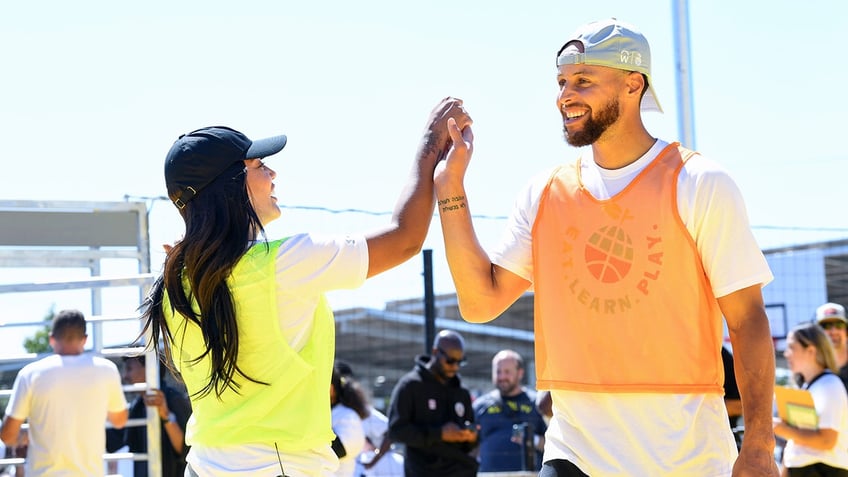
point(199, 157)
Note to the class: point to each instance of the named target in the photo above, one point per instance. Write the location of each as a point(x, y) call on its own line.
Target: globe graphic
point(609, 254)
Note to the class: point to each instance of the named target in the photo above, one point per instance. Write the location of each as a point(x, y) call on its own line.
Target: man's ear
point(636, 84)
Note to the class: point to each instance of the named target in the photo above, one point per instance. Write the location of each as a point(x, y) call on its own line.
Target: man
point(431, 413)
point(511, 428)
point(67, 397)
point(173, 410)
point(620, 248)
point(831, 317)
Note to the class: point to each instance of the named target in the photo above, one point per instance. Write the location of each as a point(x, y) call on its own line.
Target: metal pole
point(96, 308)
point(154, 422)
point(429, 303)
point(686, 114)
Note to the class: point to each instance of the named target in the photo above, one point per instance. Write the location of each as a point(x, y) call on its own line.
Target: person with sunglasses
point(831, 317)
point(430, 412)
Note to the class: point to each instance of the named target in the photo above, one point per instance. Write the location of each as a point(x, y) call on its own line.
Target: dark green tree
point(40, 342)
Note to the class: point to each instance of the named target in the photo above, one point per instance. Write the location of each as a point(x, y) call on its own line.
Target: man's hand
point(755, 462)
point(459, 155)
point(453, 433)
point(156, 398)
point(437, 139)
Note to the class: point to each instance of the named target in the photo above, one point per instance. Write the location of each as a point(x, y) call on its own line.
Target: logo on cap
point(631, 58)
point(830, 311)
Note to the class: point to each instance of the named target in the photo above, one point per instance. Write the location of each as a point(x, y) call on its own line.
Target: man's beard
point(506, 388)
point(594, 127)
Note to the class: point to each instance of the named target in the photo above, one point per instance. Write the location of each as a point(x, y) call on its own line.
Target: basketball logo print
point(609, 254)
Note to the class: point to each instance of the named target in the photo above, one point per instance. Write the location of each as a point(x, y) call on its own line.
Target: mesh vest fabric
point(293, 409)
point(622, 302)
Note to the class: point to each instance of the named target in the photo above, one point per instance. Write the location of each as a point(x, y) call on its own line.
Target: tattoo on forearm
point(430, 146)
point(452, 203)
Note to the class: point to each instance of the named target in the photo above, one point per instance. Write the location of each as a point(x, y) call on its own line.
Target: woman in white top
point(822, 451)
point(349, 408)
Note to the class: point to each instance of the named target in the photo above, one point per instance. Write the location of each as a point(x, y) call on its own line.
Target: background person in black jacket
point(173, 408)
point(431, 413)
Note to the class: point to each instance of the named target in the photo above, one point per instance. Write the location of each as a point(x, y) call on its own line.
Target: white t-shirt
point(831, 402)
point(375, 425)
point(348, 426)
point(391, 464)
point(66, 400)
point(307, 266)
point(605, 434)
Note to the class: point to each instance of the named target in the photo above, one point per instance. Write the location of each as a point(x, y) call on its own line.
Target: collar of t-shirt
point(605, 183)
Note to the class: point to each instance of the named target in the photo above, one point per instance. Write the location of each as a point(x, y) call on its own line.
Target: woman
point(822, 451)
point(349, 408)
point(244, 320)
point(378, 458)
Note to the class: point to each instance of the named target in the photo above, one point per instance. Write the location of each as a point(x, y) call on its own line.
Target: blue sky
point(93, 93)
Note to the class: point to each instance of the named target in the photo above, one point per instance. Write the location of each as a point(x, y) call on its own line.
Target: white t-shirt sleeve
point(375, 427)
point(117, 400)
point(19, 402)
point(348, 426)
point(307, 267)
point(713, 210)
point(314, 264)
point(515, 251)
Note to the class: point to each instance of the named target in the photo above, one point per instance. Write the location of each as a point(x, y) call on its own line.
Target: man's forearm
point(470, 266)
point(10, 431)
point(753, 357)
point(176, 436)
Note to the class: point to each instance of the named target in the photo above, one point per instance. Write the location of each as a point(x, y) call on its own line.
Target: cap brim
point(650, 101)
point(831, 318)
point(265, 147)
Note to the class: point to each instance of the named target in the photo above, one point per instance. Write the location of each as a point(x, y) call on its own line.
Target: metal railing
point(152, 422)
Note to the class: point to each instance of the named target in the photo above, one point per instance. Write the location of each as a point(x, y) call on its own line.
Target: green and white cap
point(613, 44)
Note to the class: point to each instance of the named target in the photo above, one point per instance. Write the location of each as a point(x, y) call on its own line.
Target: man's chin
point(577, 140)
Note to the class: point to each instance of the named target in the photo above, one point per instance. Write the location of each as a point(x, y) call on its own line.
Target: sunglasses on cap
point(449, 360)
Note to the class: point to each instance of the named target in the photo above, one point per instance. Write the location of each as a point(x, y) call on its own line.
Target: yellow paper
point(796, 408)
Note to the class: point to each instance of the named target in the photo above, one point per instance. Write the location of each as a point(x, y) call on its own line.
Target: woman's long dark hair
point(350, 393)
point(221, 224)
